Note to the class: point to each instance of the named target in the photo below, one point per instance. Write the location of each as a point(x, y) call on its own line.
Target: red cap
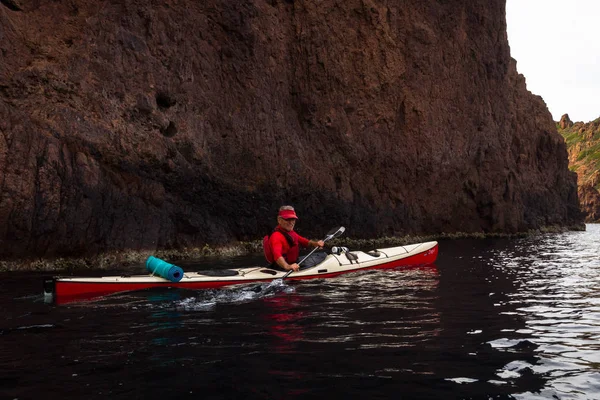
point(286, 214)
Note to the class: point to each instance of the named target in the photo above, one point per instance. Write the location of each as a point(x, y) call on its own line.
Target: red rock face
point(590, 203)
point(565, 122)
point(169, 124)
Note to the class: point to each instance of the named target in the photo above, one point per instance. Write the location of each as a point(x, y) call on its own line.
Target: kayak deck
point(67, 289)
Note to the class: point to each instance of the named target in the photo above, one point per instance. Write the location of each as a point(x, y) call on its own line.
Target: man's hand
point(293, 266)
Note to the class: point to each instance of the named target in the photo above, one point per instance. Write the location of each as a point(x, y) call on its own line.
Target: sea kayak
point(68, 289)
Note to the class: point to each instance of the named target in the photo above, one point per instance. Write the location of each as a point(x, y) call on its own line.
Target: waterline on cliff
point(128, 258)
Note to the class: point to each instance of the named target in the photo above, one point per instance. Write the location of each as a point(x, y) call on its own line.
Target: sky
point(557, 47)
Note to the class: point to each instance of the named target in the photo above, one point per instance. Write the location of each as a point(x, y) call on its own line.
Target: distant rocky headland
point(583, 145)
point(149, 126)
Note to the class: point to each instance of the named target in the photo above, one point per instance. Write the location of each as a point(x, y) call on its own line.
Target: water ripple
point(558, 295)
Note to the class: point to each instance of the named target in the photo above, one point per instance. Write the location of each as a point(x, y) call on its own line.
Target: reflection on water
point(378, 309)
point(284, 322)
point(493, 318)
point(558, 297)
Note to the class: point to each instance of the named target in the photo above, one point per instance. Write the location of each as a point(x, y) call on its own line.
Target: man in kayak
point(282, 247)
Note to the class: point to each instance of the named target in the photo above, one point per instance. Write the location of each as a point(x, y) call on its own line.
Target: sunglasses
point(289, 219)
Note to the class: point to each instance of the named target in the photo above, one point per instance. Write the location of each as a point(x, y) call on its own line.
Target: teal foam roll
point(163, 269)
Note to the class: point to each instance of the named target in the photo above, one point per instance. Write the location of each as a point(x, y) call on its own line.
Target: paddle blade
point(335, 232)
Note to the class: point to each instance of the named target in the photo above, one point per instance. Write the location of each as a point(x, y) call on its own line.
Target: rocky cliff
point(165, 124)
point(583, 145)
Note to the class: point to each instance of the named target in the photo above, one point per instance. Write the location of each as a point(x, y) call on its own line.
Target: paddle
point(335, 232)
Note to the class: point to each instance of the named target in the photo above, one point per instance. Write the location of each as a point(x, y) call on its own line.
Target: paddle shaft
point(338, 232)
point(308, 255)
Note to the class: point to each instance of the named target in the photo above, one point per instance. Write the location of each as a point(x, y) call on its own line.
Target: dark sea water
point(492, 319)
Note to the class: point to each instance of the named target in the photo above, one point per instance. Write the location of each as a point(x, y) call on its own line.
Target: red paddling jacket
point(283, 243)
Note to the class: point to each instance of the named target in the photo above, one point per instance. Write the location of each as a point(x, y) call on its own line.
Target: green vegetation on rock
point(583, 145)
